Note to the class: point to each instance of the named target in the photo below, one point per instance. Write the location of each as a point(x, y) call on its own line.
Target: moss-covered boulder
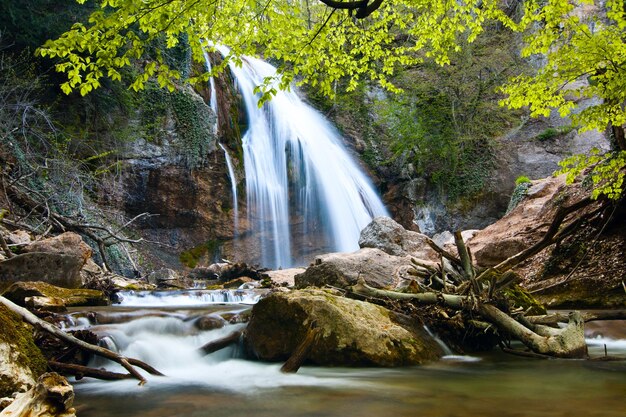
point(21, 362)
point(21, 291)
point(352, 333)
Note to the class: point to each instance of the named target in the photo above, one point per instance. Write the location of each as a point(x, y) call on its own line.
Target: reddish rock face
point(520, 228)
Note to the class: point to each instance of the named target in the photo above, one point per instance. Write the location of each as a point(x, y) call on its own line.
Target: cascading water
point(305, 194)
point(212, 91)
point(233, 187)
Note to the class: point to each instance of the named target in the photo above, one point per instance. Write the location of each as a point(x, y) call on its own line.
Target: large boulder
point(376, 267)
point(389, 236)
point(68, 243)
point(352, 333)
point(20, 360)
point(57, 260)
point(23, 293)
point(53, 396)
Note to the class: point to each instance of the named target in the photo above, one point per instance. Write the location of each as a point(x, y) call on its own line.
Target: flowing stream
point(166, 329)
point(303, 189)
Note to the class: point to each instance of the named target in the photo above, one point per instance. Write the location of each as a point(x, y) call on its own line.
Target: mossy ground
point(19, 336)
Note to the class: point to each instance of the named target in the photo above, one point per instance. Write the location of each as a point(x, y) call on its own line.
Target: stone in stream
point(352, 333)
point(209, 322)
point(20, 291)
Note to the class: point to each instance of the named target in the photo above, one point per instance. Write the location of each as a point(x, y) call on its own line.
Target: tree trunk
point(619, 137)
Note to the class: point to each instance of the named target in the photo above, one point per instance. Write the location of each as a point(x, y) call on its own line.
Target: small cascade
point(233, 184)
point(213, 98)
point(305, 193)
point(187, 298)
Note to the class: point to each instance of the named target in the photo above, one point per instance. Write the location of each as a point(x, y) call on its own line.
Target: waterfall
point(213, 98)
point(233, 188)
point(305, 193)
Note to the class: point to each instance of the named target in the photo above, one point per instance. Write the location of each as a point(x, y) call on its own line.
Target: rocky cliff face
point(180, 178)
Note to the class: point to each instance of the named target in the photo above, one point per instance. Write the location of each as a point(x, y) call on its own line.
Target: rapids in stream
point(166, 329)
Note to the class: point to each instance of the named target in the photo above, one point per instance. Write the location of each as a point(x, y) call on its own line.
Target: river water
point(221, 384)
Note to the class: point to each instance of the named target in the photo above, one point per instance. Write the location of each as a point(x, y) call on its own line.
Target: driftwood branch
point(568, 342)
point(302, 351)
point(564, 343)
point(127, 363)
point(219, 344)
point(454, 301)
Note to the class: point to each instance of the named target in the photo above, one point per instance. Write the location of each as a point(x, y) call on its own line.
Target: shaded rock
point(378, 268)
point(53, 396)
point(167, 278)
point(19, 291)
point(385, 234)
point(353, 333)
point(21, 362)
point(56, 268)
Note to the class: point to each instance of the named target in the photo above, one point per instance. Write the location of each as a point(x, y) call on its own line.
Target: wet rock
point(352, 333)
point(53, 396)
point(19, 291)
point(376, 267)
point(236, 318)
point(21, 362)
point(210, 322)
point(389, 236)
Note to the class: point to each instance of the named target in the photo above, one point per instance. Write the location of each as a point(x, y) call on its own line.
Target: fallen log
point(127, 363)
point(563, 343)
point(219, 344)
point(451, 300)
point(568, 342)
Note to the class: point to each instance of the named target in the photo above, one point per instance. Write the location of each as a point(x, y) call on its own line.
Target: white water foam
point(186, 298)
point(171, 345)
